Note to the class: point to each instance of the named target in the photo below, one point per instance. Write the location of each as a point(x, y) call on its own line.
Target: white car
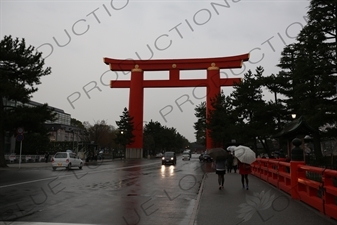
point(66, 160)
point(186, 156)
point(159, 155)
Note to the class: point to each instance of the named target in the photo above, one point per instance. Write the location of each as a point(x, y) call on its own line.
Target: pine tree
point(219, 121)
point(256, 118)
point(125, 128)
point(161, 138)
point(200, 125)
point(280, 115)
point(152, 132)
point(21, 68)
point(308, 70)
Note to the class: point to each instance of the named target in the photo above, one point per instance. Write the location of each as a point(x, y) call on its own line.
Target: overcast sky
point(74, 36)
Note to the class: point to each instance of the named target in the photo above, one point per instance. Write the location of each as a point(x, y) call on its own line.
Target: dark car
point(169, 158)
point(205, 158)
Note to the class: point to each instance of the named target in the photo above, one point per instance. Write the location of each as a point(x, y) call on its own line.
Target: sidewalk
point(261, 204)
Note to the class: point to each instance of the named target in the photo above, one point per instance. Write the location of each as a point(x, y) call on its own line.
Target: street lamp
point(123, 144)
point(293, 116)
point(73, 139)
point(122, 132)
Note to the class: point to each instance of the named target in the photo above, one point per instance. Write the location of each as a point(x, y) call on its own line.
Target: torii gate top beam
point(180, 64)
point(213, 82)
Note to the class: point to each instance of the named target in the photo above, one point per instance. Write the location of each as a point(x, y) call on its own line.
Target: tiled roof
point(297, 126)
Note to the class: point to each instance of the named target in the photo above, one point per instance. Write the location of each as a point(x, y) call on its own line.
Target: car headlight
point(163, 158)
point(171, 158)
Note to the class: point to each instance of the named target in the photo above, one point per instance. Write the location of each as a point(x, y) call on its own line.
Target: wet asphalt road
point(117, 192)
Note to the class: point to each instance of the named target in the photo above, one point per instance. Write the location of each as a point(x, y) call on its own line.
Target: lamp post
point(73, 139)
point(123, 144)
point(55, 133)
point(53, 138)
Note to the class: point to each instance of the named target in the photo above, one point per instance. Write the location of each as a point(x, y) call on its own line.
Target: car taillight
point(52, 159)
point(67, 160)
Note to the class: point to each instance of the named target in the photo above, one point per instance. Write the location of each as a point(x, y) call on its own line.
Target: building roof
point(53, 108)
point(297, 126)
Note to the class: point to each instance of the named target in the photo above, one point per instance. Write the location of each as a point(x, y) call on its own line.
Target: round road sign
point(19, 137)
point(20, 130)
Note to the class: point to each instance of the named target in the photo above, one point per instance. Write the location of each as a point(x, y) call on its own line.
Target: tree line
point(306, 85)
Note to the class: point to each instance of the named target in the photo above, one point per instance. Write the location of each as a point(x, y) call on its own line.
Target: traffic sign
point(20, 130)
point(19, 137)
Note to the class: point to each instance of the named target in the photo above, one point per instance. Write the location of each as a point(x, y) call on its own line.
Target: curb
point(196, 207)
point(26, 166)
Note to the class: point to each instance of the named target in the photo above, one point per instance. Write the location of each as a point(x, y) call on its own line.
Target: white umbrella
point(231, 148)
point(244, 154)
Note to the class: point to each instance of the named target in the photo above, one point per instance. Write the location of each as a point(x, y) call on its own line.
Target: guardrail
point(25, 158)
point(315, 186)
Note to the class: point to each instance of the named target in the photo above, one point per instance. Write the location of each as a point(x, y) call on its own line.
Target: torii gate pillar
point(136, 110)
point(213, 84)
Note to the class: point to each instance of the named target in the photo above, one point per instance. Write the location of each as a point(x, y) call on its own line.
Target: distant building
point(59, 130)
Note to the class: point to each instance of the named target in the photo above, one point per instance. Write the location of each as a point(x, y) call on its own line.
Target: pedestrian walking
point(220, 170)
point(235, 164)
point(244, 170)
point(230, 163)
point(46, 157)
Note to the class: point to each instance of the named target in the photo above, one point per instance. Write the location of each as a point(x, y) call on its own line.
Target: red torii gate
point(213, 83)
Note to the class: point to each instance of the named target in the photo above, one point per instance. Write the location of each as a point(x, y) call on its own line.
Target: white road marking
point(43, 223)
point(68, 175)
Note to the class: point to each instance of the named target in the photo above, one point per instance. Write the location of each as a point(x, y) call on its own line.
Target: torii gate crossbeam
point(213, 83)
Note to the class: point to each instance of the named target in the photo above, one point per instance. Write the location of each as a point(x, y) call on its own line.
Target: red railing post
point(330, 193)
point(294, 174)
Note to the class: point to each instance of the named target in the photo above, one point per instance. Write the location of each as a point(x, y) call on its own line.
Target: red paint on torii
point(213, 82)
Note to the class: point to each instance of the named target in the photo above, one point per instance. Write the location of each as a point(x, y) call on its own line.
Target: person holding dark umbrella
point(220, 170)
point(220, 156)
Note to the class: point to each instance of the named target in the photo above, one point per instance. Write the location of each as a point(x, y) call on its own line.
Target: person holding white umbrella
point(235, 162)
point(244, 170)
point(245, 157)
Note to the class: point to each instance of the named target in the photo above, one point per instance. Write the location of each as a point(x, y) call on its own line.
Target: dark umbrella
point(218, 153)
point(221, 158)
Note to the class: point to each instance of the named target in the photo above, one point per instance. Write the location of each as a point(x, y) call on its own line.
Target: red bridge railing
point(315, 186)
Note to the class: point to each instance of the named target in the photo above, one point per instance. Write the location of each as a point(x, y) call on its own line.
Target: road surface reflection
point(167, 171)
